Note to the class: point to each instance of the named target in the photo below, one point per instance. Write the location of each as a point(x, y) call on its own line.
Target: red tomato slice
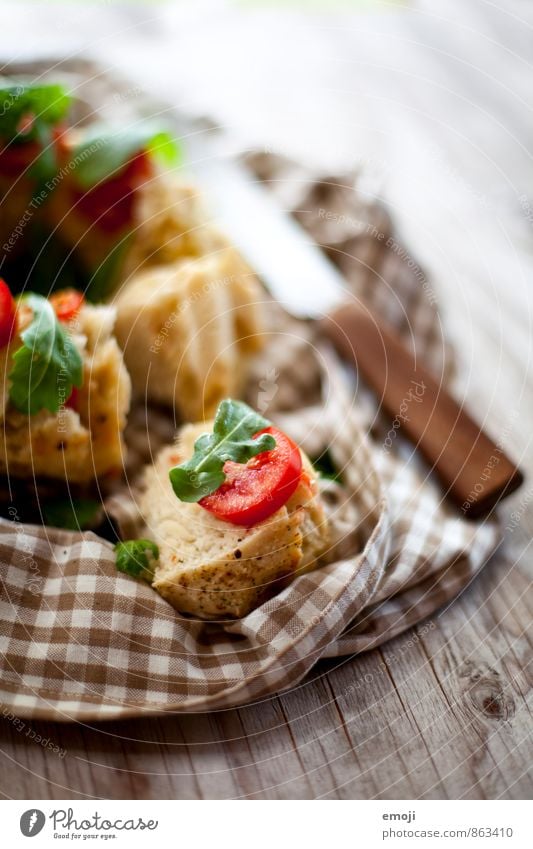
point(7, 314)
point(254, 491)
point(111, 203)
point(72, 400)
point(19, 156)
point(16, 158)
point(140, 168)
point(67, 303)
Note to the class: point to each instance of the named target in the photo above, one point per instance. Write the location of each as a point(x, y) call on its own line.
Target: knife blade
point(299, 276)
point(474, 471)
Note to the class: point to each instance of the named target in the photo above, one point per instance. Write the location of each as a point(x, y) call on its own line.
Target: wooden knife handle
point(474, 471)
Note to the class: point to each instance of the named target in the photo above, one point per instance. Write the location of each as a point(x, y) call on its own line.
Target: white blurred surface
point(432, 98)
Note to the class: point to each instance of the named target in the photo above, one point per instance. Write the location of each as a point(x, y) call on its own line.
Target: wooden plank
point(444, 715)
point(272, 749)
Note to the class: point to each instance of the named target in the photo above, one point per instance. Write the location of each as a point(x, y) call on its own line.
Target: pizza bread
point(168, 223)
point(74, 444)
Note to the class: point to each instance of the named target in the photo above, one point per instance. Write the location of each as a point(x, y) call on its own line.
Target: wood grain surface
point(437, 98)
point(444, 716)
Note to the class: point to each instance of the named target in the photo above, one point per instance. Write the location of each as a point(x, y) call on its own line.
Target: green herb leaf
point(27, 108)
point(136, 557)
point(77, 514)
point(234, 426)
point(47, 366)
point(103, 153)
point(28, 113)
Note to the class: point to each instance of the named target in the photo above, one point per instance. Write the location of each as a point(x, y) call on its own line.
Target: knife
point(474, 471)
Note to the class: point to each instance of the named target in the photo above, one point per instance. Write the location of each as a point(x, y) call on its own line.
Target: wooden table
point(436, 101)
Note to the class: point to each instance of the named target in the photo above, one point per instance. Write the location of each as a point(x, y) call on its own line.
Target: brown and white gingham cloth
point(79, 641)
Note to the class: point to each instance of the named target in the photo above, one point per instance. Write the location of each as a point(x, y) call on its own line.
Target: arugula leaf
point(234, 426)
point(103, 153)
point(136, 557)
point(27, 108)
point(77, 514)
point(47, 366)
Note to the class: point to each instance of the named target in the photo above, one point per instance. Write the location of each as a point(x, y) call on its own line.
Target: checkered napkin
point(79, 641)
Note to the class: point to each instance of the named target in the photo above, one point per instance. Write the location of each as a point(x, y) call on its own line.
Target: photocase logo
point(32, 822)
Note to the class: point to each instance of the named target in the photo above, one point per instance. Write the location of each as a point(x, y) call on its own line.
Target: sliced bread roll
point(78, 444)
point(212, 569)
point(168, 221)
point(185, 329)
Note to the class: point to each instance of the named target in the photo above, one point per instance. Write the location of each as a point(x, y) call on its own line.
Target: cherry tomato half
point(72, 401)
point(16, 158)
point(7, 314)
point(67, 303)
point(254, 491)
point(111, 202)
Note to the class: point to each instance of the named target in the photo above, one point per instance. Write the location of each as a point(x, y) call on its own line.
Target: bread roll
point(212, 569)
point(168, 222)
point(171, 223)
point(187, 328)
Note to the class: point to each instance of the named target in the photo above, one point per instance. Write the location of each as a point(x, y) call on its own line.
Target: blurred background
point(430, 100)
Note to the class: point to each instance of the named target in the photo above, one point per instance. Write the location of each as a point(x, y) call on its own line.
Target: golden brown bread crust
point(238, 579)
point(212, 569)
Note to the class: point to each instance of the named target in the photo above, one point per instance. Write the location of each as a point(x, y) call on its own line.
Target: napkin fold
point(80, 641)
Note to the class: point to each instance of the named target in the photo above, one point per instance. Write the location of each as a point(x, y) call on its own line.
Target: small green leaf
point(77, 514)
point(28, 113)
point(136, 557)
point(47, 366)
point(164, 147)
point(103, 153)
point(27, 108)
point(234, 426)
